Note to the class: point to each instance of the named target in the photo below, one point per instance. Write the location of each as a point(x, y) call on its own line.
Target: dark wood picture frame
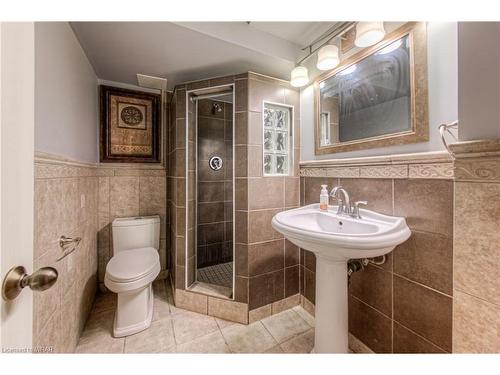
point(105, 126)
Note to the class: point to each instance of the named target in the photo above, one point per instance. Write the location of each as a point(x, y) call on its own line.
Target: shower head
point(216, 108)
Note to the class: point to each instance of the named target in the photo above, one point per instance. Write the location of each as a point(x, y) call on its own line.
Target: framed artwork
point(130, 126)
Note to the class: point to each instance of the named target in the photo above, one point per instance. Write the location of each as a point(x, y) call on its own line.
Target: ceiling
point(188, 51)
point(299, 33)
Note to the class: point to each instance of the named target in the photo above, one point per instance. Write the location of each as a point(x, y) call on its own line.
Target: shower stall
point(210, 182)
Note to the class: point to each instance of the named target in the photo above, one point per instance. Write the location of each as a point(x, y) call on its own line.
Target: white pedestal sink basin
point(335, 239)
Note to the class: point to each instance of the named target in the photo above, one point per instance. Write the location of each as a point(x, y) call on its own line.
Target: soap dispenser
point(323, 198)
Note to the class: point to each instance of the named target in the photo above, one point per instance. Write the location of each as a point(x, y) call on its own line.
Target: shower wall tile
point(254, 128)
point(265, 289)
point(267, 271)
point(274, 196)
point(214, 207)
point(265, 257)
point(260, 91)
point(241, 95)
point(259, 226)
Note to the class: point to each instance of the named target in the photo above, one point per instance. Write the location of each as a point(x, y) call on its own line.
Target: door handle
point(17, 279)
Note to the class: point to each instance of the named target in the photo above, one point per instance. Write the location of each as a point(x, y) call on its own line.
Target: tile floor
point(180, 331)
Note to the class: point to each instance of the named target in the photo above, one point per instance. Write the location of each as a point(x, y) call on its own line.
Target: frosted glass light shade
point(299, 76)
point(369, 33)
point(328, 57)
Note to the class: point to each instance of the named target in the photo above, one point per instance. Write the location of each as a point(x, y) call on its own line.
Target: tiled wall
point(267, 267)
point(65, 204)
point(266, 264)
point(214, 188)
point(129, 191)
point(180, 259)
point(404, 305)
point(476, 305)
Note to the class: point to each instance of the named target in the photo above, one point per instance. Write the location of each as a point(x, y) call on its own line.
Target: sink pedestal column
point(331, 319)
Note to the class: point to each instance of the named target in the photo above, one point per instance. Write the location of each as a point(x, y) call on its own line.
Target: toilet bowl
point(132, 269)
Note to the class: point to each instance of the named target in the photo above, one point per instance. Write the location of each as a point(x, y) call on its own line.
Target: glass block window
point(277, 138)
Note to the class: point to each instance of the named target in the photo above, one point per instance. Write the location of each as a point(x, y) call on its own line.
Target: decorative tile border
point(484, 169)
point(426, 165)
point(56, 166)
point(438, 170)
point(384, 171)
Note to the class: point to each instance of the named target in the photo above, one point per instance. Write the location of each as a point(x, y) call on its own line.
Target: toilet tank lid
point(135, 221)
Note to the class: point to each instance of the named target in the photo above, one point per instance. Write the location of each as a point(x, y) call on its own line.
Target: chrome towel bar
point(446, 128)
point(64, 244)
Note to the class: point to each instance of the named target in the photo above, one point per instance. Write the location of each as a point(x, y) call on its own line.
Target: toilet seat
point(131, 265)
point(132, 269)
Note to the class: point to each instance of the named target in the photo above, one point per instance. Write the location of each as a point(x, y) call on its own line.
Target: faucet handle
point(356, 208)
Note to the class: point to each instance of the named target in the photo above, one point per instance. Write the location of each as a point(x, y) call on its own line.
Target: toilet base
point(134, 312)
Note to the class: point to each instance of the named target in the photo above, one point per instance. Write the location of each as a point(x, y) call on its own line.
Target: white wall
point(442, 85)
point(66, 101)
point(478, 80)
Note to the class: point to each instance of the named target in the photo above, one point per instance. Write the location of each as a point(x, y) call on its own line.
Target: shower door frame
point(211, 90)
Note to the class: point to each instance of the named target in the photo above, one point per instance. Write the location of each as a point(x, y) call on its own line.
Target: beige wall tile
point(265, 193)
point(229, 310)
point(152, 195)
point(191, 301)
point(476, 325)
point(259, 313)
point(285, 304)
point(124, 196)
point(477, 239)
point(56, 211)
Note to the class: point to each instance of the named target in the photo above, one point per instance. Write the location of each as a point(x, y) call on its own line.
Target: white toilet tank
point(136, 232)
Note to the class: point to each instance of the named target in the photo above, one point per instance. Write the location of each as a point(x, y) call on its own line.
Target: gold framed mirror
point(376, 97)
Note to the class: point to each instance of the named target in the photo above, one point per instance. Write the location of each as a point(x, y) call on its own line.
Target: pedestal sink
point(335, 239)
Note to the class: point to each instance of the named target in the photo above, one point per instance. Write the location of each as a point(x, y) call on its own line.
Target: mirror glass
point(368, 98)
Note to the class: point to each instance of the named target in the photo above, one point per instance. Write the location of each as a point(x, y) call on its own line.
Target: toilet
point(131, 271)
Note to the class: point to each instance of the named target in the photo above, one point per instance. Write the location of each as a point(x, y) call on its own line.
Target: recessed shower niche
point(210, 209)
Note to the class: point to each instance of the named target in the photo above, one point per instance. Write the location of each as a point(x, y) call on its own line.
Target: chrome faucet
point(344, 203)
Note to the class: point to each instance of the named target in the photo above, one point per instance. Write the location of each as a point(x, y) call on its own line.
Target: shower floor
point(219, 274)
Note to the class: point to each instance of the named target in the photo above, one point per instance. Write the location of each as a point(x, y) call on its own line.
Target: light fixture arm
point(326, 38)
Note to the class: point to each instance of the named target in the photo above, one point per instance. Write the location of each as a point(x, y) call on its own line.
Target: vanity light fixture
point(328, 57)
point(299, 76)
point(369, 33)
